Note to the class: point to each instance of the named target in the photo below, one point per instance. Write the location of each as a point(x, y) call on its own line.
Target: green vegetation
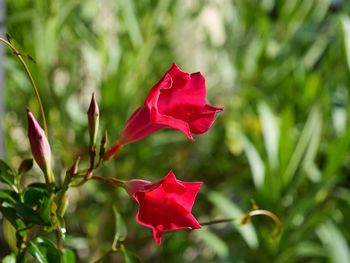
point(281, 70)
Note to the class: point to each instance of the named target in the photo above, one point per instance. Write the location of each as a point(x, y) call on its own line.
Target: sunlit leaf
point(229, 209)
point(38, 253)
point(131, 21)
point(270, 132)
point(345, 22)
point(9, 259)
point(256, 164)
point(303, 144)
point(334, 242)
point(68, 257)
point(9, 233)
point(44, 251)
point(213, 241)
point(7, 196)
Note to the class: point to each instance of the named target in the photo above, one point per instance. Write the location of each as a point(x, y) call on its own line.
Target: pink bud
point(40, 146)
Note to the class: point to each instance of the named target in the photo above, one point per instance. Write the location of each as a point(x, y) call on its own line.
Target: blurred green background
point(281, 70)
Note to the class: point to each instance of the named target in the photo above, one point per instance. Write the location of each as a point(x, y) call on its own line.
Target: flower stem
point(109, 180)
point(246, 218)
point(37, 95)
point(218, 221)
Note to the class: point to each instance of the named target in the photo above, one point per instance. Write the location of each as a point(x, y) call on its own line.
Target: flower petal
point(138, 126)
point(153, 95)
point(187, 92)
point(170, 122)
point(199, 123)
point(165, 205)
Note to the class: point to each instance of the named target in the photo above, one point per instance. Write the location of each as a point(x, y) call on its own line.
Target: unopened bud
point(25, 166)
point(103, 145)
point(40, 147)
point(73, 170)
point(93, 119)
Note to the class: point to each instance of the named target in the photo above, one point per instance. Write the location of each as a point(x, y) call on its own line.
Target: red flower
point(165, 205)
point(177, 101)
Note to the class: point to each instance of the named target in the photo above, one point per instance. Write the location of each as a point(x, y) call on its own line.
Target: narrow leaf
point(7, 175)
point(120, 228)
point(129, 256)
point(334, 242)
point(255, 162)
point(229, 209)
point(270, 133)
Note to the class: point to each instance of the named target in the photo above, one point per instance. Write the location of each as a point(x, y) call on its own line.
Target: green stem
point(18, 54)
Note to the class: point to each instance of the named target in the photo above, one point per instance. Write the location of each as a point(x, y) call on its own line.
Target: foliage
point(279, 68)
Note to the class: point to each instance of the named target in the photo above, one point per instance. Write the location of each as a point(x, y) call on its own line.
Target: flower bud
point(40, 147)
point(93, 119)
point(103, 145)
point(25, 166)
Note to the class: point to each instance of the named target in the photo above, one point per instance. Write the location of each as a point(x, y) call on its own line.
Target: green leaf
point(129, 257)
point(9, 259)
point(38, 199)
point(7, 196)
point(120, 228)
point(334, 242)
point(44, 210)
point(256, 164)
point(27, 213)
point(9, 233)
point(311, 152)
point(131, 22)
point(7, 175)
point(37, 253)
point(337, 153)
point(345, 23)
point(304, 142)
point(44, 251)
point(68, 256)
point(11, 215)
point(302, 250)
point(34, 196)
point(213, 241)
point(229, 209)
point(271, 132)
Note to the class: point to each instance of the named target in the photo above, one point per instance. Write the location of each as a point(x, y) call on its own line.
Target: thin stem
point(109, 180)
point(246, 218)
point(18, 54)
point(59, 240)
point(218, 221)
